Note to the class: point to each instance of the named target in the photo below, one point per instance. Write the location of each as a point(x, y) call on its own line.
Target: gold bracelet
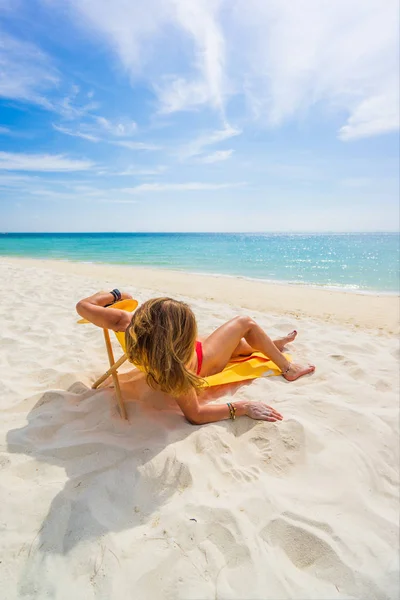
point(232, 411)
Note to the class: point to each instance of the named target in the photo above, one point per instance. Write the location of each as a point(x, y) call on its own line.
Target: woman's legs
point(219, 347)
point(243, 348)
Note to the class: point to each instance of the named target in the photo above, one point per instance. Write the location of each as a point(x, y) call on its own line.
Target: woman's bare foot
point(295, 371)
point(281, 343)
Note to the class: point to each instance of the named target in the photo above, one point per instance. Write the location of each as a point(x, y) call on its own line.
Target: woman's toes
point(290, 337)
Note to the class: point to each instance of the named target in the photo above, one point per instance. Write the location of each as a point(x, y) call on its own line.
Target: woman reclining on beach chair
point(161, 340)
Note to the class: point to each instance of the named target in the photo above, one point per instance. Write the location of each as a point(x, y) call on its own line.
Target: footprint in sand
point(279, 449)
point(306, 548)
point(239, 474)
point(396, 354)
point(343, 360)
point(311, 546)
point(338, 357)
point(382, 386)
point(264, 448)
point(206, 442)
point(4, 462)
point(170, 473)
point(218, 527)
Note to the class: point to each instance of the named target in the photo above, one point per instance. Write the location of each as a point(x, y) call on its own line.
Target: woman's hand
point(125, 296)
point(262, 412)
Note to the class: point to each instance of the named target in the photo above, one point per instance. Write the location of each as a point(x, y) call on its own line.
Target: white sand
point(94, 507)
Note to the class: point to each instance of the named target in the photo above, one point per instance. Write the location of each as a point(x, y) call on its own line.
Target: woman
point(161, 339)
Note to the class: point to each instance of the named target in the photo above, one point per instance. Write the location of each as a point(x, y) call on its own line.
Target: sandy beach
point(156, 508)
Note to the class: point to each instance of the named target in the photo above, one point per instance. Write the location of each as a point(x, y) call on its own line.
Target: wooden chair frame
point(113, 371)
point(114, 365)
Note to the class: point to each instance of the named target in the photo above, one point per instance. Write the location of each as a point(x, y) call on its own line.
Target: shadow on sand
point(117, 477)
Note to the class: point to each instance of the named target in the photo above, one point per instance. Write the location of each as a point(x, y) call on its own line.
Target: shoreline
point(305, 284)
point(379, 311)
point(334, 287)
point(301, 284)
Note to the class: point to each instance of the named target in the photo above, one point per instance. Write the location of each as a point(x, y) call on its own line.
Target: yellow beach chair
point(240, 369)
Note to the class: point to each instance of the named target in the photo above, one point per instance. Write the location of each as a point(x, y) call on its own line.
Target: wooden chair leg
point(110, 371)
point(114, 374)
point(120, 400)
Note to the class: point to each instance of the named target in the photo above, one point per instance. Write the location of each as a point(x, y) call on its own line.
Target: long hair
point(161, 340)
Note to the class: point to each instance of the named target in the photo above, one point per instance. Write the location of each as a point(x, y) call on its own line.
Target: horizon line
point(196, 232)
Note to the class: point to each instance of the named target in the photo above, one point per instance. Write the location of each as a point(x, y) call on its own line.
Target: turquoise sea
point(351, 261)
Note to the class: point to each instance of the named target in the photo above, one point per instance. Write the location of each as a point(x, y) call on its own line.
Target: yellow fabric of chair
point(248, 367)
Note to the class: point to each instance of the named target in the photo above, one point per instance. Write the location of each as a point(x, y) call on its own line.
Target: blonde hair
point(161, 341)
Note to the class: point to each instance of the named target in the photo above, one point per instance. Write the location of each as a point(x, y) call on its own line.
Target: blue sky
point(199, 115)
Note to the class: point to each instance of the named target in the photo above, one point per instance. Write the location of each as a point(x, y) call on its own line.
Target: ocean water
point(351, 261)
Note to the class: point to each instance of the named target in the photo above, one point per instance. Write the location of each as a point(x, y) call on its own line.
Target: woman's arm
point(93, 309)
point(198, 414)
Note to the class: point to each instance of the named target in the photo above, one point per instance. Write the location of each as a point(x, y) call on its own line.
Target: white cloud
point(198, 20)
point(118, 201)
point(5, 131)
point(285, 58)
point(197, 146)
point(8, 180)
point(179, 187)
point(103, 196)
point(121, 129)
point(338, 55)
point(10, 161)
point(79, 134)
point(217, 156)
point(26, 73)
point(71, 108)
point(132, 170)
point(379, 114)
point(87, 134)
point(133, 30)
point(136, 145)
point(68, 191)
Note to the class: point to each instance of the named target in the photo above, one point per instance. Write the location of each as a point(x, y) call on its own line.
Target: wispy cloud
point(132, 170)
point(199, 22)
point(282, 57)
point(101, 196)
point(198, 145)
point(217, 156)
point(26, 73)
point(85, 132)
point(118, 129)
point(379, 114)
point(180, 187)
point(340, 56)
point(119, 201)
point(5, 131)
point(79, 134)
point(129, 29)
point(135, 145)
point(12, 180)
point(10, 161)
point(73, 105)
